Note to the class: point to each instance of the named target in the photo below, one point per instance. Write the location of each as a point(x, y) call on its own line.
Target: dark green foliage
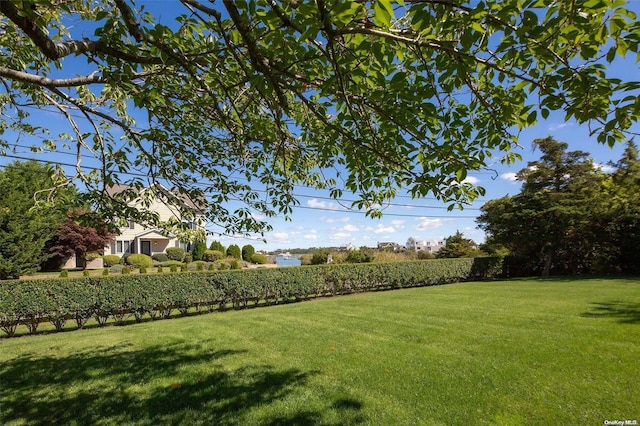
point(363, 255)
point(175, 253)
point(212, 267)
point(159, 269)
point(212, 255)
point(216, 245)
point(64, 273)
point(105, 272)
point(569, 218)
point(85, 273)
point(458, 246)
point(248, 251)
point(126, 270)
point(139, 261)
point(143, 270)
point(199, 266)
point(234, 264)
point(110, 260)
point(259, 258)
point(173, 268)
point(199, 247)
point(160, 257)
point(31, 302)
point(320, 257)
point(234, 251)
point(25, 226)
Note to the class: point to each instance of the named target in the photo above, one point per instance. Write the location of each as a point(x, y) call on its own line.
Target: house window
point(132, 225)
point(123, 246)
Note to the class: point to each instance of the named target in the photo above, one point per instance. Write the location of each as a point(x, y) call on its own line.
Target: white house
point(138, 238)
point(425, 246)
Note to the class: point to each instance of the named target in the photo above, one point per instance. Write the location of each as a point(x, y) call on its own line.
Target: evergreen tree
point(234, 251)
point(247, 252)
point(458, 246)
point(27, 217)
point(550, 225)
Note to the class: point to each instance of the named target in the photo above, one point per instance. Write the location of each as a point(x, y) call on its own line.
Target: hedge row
point(120, 297)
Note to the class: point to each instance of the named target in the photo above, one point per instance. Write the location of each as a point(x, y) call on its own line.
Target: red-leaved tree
point(82, 234)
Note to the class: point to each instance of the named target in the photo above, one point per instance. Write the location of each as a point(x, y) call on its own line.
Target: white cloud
point(604, 168)
point(312, 235)
point(381, 229)
point(279, 237)
point(425, 223)
point(558, 126)
point(340, 236)
point(334, 220)
point(398, 223)
point(314, 203)
point(350, 228)
point(509, 176)
point(472, 180)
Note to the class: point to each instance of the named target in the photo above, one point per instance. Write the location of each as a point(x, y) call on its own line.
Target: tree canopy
point(570, 217)
point(243, 99)
point(27, 218)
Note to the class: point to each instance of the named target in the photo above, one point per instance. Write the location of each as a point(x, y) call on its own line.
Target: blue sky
point(319, 221)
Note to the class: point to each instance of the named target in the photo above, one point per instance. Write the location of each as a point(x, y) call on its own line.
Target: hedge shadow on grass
point(623, 312)
point(156, 385)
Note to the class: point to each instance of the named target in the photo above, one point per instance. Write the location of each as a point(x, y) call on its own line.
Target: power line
point(345, 210)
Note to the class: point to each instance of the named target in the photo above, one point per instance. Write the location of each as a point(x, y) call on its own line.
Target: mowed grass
point(508, 352)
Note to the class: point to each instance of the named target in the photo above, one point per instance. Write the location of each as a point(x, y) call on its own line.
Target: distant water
point(287, 261)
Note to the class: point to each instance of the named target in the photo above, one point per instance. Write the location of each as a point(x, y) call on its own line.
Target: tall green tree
point(234, 251)
point(217, 245)
point(621, 224)
point(371, 97)
point(549, 225)
point(27, 217)
point(458, 246)
point(247, 251)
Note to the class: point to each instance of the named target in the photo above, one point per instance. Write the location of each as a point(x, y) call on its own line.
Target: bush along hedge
point(30, 303)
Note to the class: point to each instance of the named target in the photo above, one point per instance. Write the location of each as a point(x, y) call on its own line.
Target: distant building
point(424, 246)
point(389, 245)
point(347, 247)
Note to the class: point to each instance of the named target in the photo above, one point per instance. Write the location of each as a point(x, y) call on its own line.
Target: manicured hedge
point(158, 296)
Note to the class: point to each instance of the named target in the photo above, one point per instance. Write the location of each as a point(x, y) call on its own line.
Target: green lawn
point(545, 352)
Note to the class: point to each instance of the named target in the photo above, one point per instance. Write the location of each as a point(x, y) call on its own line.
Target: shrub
point(234, 251)
point(110, 260)
point(184, 267)
point(259, 258)
point(234, 264)
point(223, 266)
point(126, 270)
point(139, 261)
point(64, 274)
point(85, 273)
point(159, 269)
point(188, 258)
point(174, 268)
point(212, 267)
point(143, 270)
point(123, 259)
point(171, 263)
point(160, 257)
point(175, 253)
point(31, 302)
point(212, 255)
point(116, 269)
point(199, 266)
point(247, 252)
point(105, 272)
point(198, 250)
